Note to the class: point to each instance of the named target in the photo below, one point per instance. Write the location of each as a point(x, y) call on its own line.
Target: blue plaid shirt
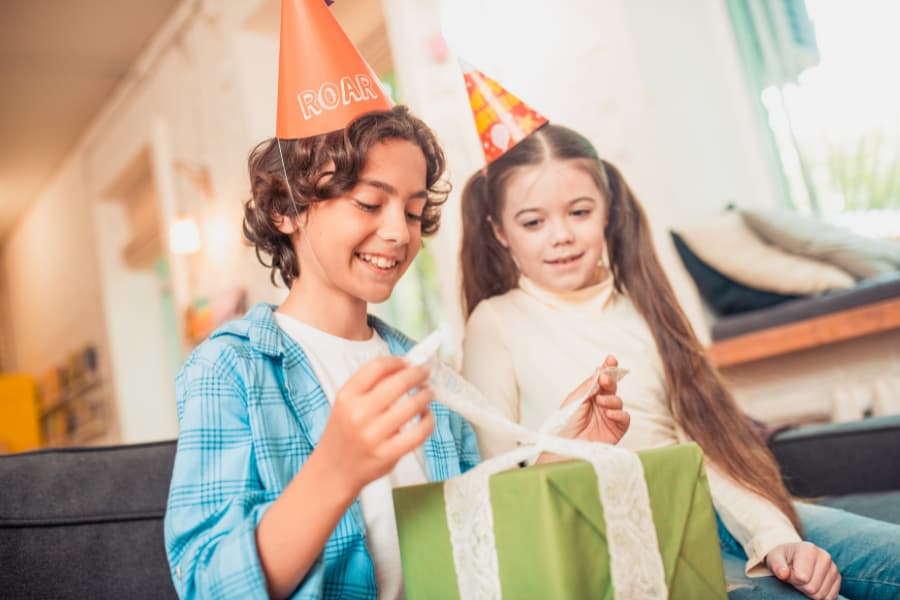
point(251, 411)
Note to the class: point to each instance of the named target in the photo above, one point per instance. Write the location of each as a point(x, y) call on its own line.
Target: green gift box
point(551, 534)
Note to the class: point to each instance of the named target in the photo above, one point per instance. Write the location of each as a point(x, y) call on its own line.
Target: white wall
point(49, 264)
point(707, 130)
point(183, 102)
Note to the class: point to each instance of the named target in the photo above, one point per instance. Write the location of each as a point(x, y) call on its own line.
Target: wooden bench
point(871, 307)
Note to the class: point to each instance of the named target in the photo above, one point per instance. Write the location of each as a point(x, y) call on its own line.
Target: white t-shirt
point(334, 360)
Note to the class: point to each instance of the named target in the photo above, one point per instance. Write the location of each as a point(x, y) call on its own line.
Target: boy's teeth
point(378, 261)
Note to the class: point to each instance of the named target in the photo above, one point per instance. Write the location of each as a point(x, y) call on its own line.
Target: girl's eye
point(531, 224)
point(581, 212)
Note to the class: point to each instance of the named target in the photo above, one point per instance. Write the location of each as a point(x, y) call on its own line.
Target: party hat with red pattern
point(502, 120)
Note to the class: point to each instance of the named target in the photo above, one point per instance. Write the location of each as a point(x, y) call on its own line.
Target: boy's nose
point(394, 227)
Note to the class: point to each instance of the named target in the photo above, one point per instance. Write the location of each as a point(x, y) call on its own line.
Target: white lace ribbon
point(636, 567)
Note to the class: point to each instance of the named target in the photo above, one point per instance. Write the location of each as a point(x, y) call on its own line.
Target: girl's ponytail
point(487, 267)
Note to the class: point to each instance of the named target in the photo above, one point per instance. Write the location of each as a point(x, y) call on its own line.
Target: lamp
point(184, 236)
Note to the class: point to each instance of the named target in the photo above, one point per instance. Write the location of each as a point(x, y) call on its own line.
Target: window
point(825, 74)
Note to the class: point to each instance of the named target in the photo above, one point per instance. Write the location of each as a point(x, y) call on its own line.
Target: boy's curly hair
point(324, 167)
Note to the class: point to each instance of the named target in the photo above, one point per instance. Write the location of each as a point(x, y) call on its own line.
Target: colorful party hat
point(323, 81)
point(502, 120)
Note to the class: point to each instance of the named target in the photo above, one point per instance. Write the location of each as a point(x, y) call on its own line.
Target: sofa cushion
point(730, 247)
point(860, 256)
point(840, 458)
point(723, 295)
point(85, 522)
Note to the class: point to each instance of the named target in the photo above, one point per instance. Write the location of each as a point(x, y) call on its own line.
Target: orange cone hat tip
point(501, 119)
point(323, 81)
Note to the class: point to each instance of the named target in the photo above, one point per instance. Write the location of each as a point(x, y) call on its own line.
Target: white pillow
point(860, 256)
point(727, 245)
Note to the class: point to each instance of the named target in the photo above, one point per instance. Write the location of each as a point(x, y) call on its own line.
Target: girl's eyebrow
point(388, 188)
point(570, 203)
point(526, 210)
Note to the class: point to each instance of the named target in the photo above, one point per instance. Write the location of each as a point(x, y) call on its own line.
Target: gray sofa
point(87, 522)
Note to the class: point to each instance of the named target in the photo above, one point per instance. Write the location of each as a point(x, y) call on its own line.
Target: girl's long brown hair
point(697, 398)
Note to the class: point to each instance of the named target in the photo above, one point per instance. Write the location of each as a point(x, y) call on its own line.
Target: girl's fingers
point(608, 386)
point(608, 402)
point(619, 416)
point(820, 571)
point(835, 589)
point(610, 361)
point(831, 575)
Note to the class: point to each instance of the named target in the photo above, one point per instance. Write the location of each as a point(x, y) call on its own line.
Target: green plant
point(866, 172)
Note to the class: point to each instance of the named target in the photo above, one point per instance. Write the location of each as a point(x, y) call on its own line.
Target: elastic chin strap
point(303, 236)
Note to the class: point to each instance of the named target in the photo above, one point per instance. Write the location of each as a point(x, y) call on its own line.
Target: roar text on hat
point(330, 95)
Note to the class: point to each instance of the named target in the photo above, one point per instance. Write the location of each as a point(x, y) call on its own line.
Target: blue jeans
point(866, 552)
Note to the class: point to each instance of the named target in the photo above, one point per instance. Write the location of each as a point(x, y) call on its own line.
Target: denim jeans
point(866, 552)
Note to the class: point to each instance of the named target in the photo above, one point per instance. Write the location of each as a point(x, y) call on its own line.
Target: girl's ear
point(498, 232)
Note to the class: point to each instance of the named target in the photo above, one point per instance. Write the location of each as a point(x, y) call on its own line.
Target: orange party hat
point(502, 120)
point(323, 81)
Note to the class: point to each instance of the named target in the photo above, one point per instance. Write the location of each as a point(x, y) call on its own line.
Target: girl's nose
point(560, 232)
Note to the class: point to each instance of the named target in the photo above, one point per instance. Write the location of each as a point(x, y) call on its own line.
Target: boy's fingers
point(396, 385)
point(610, 361)
point(372, 372)
point(412, 437)
point(401, 413)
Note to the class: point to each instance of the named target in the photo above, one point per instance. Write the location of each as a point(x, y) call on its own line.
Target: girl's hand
point(366, 433)
point(806, 567)
point(601, 418)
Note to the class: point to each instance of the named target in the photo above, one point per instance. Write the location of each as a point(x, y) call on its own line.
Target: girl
point(558, 262)
point(293, 420)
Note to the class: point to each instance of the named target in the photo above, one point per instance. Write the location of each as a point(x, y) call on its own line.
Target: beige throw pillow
point(727, 245)
point(860, 256)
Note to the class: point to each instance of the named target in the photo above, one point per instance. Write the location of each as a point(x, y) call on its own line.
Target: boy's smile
point(354, 249)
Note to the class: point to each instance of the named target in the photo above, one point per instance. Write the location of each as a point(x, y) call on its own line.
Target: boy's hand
point(601, 418)
point(806, 567)
point(366, 434)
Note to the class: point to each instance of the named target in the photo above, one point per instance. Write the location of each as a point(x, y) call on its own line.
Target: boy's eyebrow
point(386, 187)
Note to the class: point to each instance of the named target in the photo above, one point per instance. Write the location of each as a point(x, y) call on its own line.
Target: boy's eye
point(366, 206)
point(414, 217)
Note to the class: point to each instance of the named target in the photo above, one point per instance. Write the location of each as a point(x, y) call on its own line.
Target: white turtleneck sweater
point(529, 348)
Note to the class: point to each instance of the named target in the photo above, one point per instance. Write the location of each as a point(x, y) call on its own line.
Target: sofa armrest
point(842, 458)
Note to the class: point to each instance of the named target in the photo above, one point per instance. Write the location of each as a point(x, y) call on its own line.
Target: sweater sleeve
point(487, 364)
point(757, 524)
